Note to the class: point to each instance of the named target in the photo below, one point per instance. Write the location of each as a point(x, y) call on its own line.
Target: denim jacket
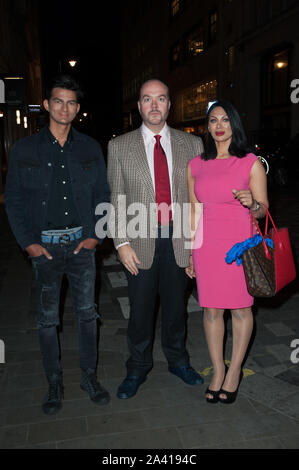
point(29, 179)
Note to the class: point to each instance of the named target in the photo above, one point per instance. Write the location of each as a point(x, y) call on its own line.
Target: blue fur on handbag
point(236, 252)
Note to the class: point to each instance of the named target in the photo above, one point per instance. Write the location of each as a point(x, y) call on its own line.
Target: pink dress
point(225, 222)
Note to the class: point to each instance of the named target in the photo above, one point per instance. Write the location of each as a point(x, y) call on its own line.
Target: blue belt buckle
point(64, 239)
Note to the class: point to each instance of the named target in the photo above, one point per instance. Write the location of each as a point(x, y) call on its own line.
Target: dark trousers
point(80, 270)
point(168, 280)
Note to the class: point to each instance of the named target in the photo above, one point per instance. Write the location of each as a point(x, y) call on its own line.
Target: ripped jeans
point(81, 272)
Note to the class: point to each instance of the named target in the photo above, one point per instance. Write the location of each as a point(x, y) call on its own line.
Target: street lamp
point(72, 63)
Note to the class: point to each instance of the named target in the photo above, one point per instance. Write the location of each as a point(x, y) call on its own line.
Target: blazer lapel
point(177, 149)
point(139, 160)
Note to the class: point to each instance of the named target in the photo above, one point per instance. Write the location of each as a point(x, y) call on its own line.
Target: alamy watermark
point(295, 354)
point(2, 92)
point(295, 93)
point(137, 220)
point(2, 352)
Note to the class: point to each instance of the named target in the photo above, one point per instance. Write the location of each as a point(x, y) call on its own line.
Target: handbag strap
point(253, 219)
point(268, 216)
point(266, 224)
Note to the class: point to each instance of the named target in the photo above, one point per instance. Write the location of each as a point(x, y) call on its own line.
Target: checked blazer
point(130, 182)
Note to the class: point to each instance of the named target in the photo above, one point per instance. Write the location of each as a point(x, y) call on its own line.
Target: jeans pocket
point(36, 258)
point(91, 250)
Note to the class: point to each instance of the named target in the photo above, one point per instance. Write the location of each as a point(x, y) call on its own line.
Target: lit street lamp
point(62, 64)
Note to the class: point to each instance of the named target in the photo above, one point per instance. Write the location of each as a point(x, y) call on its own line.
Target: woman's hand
point(190, 269)
point(245, 197)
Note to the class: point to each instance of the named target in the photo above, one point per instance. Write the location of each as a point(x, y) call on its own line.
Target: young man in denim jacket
point(56, 178)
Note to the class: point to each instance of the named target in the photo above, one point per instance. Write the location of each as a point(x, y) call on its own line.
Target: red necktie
point(162, 184)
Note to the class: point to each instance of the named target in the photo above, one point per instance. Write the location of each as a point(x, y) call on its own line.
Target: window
point(230, 57)
point(189, 130)
point(191, 104)
point(175, 55)
point(276, 104)
point(195, 42)
point(174, 7)
point(213, 19)
point(276, 79)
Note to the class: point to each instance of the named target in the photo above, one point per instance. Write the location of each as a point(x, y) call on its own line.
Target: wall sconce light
point(72, 63)
point(25, 122)
point(280, 64)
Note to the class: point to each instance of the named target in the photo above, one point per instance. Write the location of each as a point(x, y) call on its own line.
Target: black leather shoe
point(96, 392)
point(128, 388)
point(53, 400)
point(187, 374)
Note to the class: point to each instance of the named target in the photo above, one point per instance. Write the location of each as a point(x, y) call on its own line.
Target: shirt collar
point(53, 139)
point(148, 135)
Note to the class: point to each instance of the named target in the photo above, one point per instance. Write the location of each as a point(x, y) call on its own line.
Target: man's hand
point(89, 244)
point(36, 250)
point(129, 258)
point(190, 269)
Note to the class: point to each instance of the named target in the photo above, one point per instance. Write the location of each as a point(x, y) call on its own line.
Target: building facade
point(20, 74)
point(245, 51)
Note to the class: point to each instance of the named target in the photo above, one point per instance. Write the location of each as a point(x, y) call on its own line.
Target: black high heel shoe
point(215, 393)
point(230, 396)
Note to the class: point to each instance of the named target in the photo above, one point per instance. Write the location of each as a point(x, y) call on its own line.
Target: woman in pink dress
point(230, 181)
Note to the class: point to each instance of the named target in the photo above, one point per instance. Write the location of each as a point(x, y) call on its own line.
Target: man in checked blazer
point(155, 260)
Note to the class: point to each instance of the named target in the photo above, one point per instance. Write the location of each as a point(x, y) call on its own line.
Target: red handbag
point(283, 257)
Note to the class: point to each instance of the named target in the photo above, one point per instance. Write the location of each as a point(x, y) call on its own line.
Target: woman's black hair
point(239, 145)
point(64, 81)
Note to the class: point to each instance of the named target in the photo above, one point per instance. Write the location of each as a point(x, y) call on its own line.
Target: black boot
point(96, 392)
point(53, 400)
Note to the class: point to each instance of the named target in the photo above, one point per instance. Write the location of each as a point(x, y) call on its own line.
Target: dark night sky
point(89, 31)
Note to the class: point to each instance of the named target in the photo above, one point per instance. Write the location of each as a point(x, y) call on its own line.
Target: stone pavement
point(166, 413)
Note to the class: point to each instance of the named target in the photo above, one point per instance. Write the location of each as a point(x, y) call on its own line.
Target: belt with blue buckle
point(62, 239)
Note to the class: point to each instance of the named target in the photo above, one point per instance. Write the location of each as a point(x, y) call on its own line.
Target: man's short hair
point(64, 81)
